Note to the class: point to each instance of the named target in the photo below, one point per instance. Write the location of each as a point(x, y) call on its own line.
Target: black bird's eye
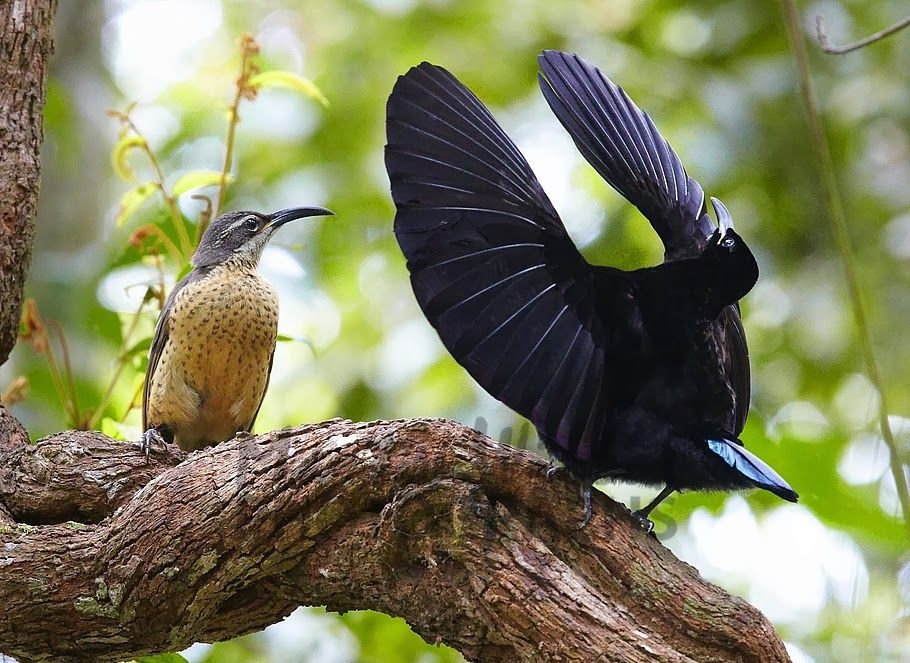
point(251, 223)
point(727, 242)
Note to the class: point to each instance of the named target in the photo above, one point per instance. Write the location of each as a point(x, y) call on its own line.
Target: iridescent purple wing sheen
point(491, 264)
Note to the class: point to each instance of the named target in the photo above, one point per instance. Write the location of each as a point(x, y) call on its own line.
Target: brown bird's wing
point(159, 340)
point(264, 392)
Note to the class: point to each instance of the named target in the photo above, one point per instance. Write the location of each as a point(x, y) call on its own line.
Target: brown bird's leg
point(154, 437)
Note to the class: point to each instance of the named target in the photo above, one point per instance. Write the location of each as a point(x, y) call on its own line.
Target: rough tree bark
point(26, 45)
point(463, 537)
point(104, 556)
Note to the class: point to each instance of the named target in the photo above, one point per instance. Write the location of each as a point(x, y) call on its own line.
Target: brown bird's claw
point(150, 438)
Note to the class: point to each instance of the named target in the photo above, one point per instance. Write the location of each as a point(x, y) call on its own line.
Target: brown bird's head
point(242, 235)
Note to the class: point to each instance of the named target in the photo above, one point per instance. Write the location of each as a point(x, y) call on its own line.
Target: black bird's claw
point(150, 438)
point(589, 508)
point(643, 521)
point(551, 471)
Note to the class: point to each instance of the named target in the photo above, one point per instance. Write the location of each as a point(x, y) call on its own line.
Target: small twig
point(248, 49)
point(827, 47)
point(841, 236)
point(122, 361)
point(171, 202)
point(68, 373)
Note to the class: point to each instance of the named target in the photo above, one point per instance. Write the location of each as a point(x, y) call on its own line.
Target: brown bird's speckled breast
point(214, 367)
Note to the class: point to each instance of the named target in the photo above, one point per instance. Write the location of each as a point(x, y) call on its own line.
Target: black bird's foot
point(643, 521)
point(589, 507)
point(151, 437)
point(552, 469)
point(642, 514)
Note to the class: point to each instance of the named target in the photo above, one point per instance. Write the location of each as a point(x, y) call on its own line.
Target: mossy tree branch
point(463, 537)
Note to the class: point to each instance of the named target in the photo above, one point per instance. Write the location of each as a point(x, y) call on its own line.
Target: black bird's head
point(242, 235)
point(732, 269)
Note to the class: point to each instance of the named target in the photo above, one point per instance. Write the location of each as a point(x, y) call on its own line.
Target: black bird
point(640, 376)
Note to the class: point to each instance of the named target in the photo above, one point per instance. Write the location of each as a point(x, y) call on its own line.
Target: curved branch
point(465, 538)
point(827, 47)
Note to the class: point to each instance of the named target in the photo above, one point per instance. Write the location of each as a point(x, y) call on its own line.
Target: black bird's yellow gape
point(640, 376)
point(211, 355)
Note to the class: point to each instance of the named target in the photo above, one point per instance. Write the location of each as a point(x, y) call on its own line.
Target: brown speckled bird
point(211, 356)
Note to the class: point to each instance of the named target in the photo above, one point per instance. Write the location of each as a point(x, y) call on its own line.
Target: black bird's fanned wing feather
point(491, 264)
point(621, 142)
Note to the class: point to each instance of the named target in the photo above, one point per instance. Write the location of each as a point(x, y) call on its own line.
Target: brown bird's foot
point(151, 438)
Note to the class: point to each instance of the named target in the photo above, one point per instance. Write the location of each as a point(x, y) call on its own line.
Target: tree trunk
point(465, 538)
point(26, 44)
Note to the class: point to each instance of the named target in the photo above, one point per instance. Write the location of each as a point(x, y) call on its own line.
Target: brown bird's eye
point(251, 223)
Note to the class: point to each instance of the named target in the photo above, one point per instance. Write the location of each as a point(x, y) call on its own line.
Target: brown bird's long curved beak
point(292, 214)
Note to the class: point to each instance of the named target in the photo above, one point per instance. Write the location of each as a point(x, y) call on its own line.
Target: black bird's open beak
point(278, 219)
point(724, 218)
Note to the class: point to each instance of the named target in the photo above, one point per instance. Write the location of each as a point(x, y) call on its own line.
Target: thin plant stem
point(248, 50)
point(233, 120)
point(839, 226)
point(68, 372)
point(121, 364)
point(856, 45)
point(59, 385)
point(185, 245)
point(172, 248)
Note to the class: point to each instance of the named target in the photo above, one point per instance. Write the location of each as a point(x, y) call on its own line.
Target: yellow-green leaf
point(132, 199)
point(112, 428)
point(196, 179)
point(120, 153)
point(290, 81)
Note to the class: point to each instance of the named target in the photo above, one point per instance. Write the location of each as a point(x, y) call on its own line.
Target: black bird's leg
point(552, 467)
point(642, 514)
point(586, 487)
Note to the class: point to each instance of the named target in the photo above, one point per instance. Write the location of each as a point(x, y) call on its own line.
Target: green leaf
point(112, 428)
point(120, 153)
point(196, 179)
point(162, 658)
point(132, 200)
point(290, 81)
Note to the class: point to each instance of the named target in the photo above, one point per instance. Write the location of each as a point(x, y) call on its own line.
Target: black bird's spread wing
point(621, 142)
point(491, 264)
point(625, 147)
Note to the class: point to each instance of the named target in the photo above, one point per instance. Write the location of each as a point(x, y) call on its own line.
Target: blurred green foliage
point(717, 77)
